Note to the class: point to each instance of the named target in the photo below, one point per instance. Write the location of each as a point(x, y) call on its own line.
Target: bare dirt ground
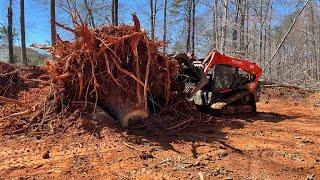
point(282, 141)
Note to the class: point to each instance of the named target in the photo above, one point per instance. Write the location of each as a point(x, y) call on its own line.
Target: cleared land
point(280, 141)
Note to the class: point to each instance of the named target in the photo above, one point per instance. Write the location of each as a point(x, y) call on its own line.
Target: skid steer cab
point(220, 83)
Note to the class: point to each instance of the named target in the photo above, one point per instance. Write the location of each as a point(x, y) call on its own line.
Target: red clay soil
point(282, 141)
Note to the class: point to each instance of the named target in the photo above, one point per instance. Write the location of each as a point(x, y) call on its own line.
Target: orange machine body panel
point(216, 58)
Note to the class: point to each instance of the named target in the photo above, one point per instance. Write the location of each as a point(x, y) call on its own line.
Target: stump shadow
point(210, 131)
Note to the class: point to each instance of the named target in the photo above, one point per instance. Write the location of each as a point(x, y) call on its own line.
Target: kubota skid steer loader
point(220, 82)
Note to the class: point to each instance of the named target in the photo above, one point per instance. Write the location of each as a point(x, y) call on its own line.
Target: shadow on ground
point(207, 129)
point(266, 117)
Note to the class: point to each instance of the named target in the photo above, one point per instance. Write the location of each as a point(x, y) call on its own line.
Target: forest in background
point(283, 37)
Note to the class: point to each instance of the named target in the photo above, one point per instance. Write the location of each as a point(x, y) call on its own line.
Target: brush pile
point(15, 78)
point(118, 68)
point(10, 80)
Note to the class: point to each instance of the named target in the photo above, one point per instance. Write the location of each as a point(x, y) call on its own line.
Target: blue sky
point(37, 20)
point(38, 16)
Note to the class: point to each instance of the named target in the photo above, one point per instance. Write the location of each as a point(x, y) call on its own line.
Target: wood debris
point(116, 67)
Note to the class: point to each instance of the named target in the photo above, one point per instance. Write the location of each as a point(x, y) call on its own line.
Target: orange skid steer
point(220, 82)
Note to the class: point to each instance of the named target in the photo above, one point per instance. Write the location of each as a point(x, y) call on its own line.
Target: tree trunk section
point(247, 28)
point(114, 11)
point(189, 25)
point(224, 25)
point(10, 32)
point(23, 34)
point(242, 24)
point(90, 13)
point(218, 44)
point(314, 69)
point(165, 24)
point(193, 24)
point(152, 23)
point(265, 29)
point(53, 22)
point(214, 24)
point(270, 39)
point(235, 30)
point(261, 32)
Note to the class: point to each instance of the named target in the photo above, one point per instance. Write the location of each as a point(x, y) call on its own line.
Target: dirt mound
point(268, 92)
point(314, 100)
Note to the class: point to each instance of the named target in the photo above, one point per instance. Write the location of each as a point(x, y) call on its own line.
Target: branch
point(11, 101)
point(65, 27)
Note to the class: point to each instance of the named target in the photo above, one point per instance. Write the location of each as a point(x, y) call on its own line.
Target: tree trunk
point(217, 44)
point(193, 24)
point(214, 32)
point(265, 29)
point(261, 32)
point(318, 59)
point(224, 25)
point(242, 22)
point(247, 28)
point(114, 11)
point(270, 38)
point(152, 28)
point(189, 25)
point(10, 32)
point(53, 22)
point(235, 30)
point(155, 15)
point(89, 13)
point(23, 34)
point(314, 69)
point(254, 40)
point(165, 24)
